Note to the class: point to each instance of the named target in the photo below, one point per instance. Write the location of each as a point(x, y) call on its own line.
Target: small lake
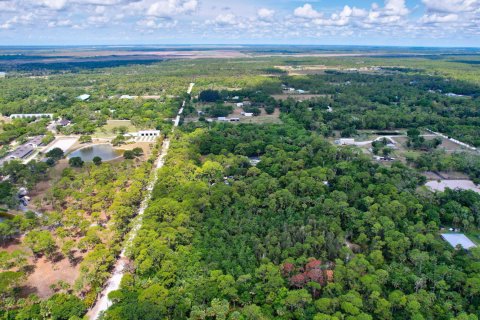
point(104, 151)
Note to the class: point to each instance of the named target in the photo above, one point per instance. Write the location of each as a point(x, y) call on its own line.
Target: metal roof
point(455, 239)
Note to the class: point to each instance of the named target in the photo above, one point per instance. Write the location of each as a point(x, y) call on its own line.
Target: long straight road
point(103, 303)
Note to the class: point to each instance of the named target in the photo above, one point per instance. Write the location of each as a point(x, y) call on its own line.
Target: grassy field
point(107, 130)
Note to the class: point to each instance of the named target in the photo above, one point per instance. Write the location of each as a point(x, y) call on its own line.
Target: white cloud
point(307, 12)
point(265, 14)
point(438, 18)
point(227, 19)
point(451, 6)
point(54, 4)
point(170, 8)
point(395, 8)
point(7, 6)
point(60, 23)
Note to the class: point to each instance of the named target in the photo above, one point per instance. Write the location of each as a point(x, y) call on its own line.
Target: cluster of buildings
point(23, 151)
point(292, 90)
point(226, 119)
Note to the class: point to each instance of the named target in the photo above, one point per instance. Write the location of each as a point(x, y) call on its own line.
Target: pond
point(104, 151)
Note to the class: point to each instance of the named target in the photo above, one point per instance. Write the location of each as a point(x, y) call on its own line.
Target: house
point(240, 104)
point(301, 91)
point(83, 97)
point(35, 142)
point(234, 119)
point(21, 152)
point(345, 142)
point(31, 115)
point(236, 98)
point(455, 239)
point(223, 119)
point(248, 114)
point(63, 122)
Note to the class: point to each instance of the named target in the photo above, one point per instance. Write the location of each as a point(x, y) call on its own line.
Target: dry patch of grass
point(107, 130)
point(263, 118)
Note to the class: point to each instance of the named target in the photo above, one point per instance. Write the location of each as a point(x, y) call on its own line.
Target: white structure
point(240, 104)
point(455, 239)
point(128, 97)
point(147, 133)
point(345, 142)
point(84, 97)
point(31, 115)
point(3, 74)
point(248, 114)
point(453, 95)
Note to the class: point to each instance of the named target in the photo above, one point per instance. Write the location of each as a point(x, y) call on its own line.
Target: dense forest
point(312, 232)
point(247, 221)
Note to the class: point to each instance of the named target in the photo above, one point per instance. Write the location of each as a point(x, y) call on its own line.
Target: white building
point(345, 142)
point(84, 97)
point(3, 74)
point(128, 97)
point(31, 115)
point(147, 133)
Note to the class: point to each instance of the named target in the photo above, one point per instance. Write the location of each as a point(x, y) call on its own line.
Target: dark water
point(104, 151)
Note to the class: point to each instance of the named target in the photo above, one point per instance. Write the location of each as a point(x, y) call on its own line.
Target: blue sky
point(344, 22)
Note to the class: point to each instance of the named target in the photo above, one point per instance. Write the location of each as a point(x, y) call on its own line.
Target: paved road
point(103, 303)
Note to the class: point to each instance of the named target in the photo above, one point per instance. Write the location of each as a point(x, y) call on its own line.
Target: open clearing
point(262, 118)
point(107, 130)
point(42, 273)
point(441, 185)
